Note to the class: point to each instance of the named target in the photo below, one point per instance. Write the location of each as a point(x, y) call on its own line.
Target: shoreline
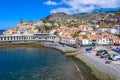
point(25, 44)
point(87, 58)
point(98, 65)
point(67, 50)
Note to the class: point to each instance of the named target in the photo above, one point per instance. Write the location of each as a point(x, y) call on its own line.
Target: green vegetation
point(48, 28)
point(118, 35)
point(78, 32)
point(84, 36)
point(44, 21)
point(117, 12)
point(39, 29)
point(56, 33)
point(74, 35)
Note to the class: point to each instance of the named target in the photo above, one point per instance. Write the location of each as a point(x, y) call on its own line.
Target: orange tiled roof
point(106, 34)
point(80, 37)
point(69, 36)
point(93, 37)
point(115, 38)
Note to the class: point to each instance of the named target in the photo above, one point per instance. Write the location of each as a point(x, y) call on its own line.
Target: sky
point(11, 11)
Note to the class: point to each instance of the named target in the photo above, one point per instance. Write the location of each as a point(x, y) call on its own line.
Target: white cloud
point(49, 2)
point(99, 3)
point(78, 6)
point(66, 10)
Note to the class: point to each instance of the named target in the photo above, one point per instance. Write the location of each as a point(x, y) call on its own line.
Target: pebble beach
point(91, 59)
point(99, 63)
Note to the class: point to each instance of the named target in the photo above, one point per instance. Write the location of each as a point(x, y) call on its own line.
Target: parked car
point(109, 47)
point(104, 55)
point(101, 52)
point(118, 47)
point(89, 49)
point(108, 62)
point(117, 50)
point(114, 57)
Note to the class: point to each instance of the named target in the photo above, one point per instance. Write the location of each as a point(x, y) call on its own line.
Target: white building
point(86, 42)
point(68, 40)
point(103, 41)
point(113, 31)
point(118, 29)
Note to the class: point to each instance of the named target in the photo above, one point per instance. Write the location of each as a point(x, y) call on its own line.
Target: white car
point(114, 57)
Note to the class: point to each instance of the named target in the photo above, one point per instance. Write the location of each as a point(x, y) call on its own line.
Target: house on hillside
point(79, 40)
point(103, 41)
point(101, 30)
point(86, 42)
point(114, 41)
point(118, 29)
point(113, 31)
point(105, 38)
point(94, 38)
point(68, 40)
point(87, 28)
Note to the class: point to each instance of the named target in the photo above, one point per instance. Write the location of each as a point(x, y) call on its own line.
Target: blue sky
point(14, 10)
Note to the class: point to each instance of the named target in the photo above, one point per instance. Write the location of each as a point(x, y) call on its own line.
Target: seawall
point(63, 48)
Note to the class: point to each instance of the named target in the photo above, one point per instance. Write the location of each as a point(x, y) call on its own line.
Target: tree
point(78, 32)
point(84, 36)
point(39, 29)
point(44, 21)
point(47, 28)
point(56, 33)
point(74, 35)
point(118, 35)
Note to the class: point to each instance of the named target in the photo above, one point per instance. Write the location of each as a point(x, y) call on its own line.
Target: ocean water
point(23, 63)
point(35, 64)
point(1, 31)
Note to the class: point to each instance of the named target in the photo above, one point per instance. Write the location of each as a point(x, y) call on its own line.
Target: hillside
point(64, 16)
point(104, 19)
point(56, 20)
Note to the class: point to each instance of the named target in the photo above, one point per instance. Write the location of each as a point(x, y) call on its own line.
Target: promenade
point(27, 37)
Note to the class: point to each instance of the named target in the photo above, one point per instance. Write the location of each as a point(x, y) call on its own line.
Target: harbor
point(88, 58)
point(60, 40)
point(43, 63)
